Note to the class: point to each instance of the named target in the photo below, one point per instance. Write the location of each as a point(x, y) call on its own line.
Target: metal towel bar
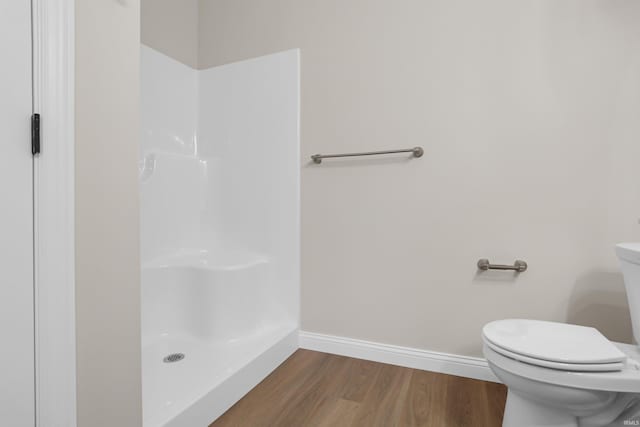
point(518, 266)
point(417, 152)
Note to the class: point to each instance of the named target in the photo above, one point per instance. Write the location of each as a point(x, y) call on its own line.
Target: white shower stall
point(219, 190)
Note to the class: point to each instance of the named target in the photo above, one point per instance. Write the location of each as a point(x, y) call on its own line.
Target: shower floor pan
point(196, 389)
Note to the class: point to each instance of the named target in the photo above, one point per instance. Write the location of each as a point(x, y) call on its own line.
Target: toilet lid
point(551, 341)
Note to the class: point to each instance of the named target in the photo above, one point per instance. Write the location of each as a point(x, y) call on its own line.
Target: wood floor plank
point(268, 398)
point(315, 396)
point(341, 414)
point(460, 411)
point(470, 408)
point(312, 389)
point(359, 379)
point(495, 397)
point(424, 405)
point(382, 403)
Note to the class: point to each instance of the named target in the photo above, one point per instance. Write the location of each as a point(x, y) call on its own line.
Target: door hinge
point(35, 133)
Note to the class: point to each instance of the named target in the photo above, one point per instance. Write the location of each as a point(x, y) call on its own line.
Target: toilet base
point(520, 412)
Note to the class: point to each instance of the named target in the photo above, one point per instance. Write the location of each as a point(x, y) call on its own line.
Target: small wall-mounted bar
point(518, 266)
point(417, 152)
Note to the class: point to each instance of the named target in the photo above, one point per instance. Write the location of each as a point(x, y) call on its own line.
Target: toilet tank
point(629, 255)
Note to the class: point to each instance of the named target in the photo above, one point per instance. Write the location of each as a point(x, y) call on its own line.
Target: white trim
point(452, 364)
point(53, 91)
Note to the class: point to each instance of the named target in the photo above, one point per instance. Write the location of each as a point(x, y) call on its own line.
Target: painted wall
point(171, 27)
point(527, 112)
point(107, 251)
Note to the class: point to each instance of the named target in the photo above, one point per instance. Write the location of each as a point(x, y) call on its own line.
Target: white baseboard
point(452, 364)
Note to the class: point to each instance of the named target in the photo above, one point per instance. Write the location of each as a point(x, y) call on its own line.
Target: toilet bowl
point(561, 375)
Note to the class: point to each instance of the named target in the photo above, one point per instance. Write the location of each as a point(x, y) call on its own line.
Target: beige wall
point(107, 251)
point(527, 112)
point(171, 27)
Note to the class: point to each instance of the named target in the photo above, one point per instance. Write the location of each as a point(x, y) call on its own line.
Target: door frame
point(53, 38)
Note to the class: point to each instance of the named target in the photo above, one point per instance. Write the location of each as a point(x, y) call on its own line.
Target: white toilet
point(562, 375)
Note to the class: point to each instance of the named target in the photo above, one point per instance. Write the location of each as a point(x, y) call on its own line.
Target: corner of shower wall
point(220, 221)
point(167, 161)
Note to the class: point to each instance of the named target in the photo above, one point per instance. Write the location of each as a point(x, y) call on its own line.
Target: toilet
point(562, 375)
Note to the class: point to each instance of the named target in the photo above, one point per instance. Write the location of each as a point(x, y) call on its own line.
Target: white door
point(17, 397)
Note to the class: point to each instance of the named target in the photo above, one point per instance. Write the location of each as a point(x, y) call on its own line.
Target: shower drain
point(175, 357)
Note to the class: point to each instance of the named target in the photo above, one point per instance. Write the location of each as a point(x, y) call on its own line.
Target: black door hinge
point(35, 133)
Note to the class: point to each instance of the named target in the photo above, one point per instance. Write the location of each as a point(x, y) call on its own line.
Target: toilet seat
point(626, 380)
point(576, 367)
point(553, 345)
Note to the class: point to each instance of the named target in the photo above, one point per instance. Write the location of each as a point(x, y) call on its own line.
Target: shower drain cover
point(175, 357)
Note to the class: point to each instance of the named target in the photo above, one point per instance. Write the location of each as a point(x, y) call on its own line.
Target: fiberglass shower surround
point(219, 187)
